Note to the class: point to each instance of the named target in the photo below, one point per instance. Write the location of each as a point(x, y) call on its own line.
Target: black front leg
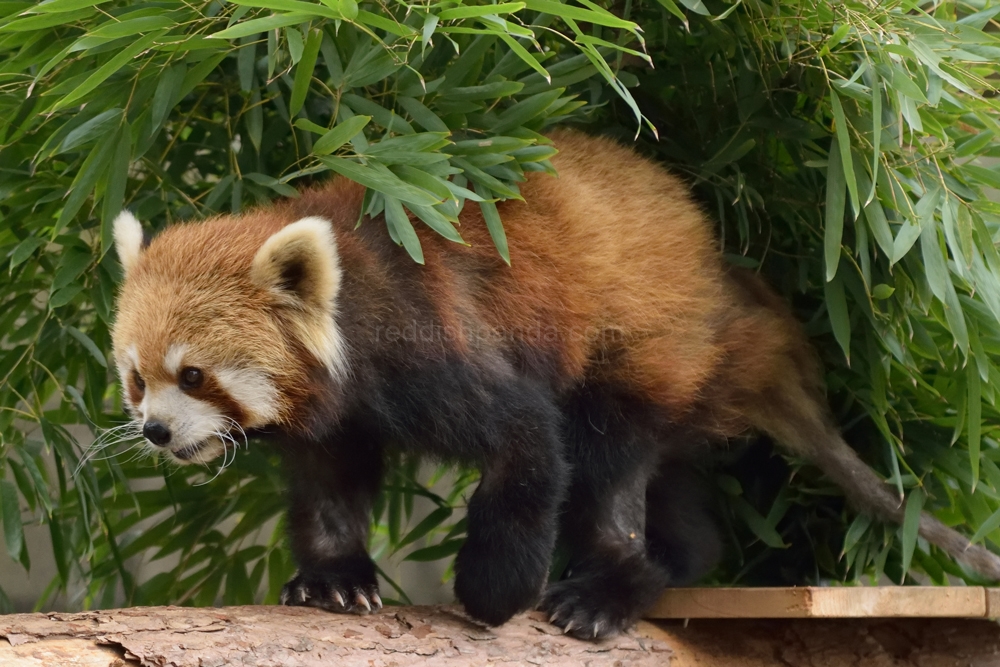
point(504, 563)
point(331, 488)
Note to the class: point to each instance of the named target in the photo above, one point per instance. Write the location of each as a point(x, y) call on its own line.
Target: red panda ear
point(299, 265)
point(128, 240)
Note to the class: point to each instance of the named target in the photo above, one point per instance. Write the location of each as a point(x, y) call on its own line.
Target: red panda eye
point(191, 378)
point(139, 382)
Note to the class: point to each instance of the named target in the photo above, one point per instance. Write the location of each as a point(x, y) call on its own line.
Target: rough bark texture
point(431, 636)
point(301, 637)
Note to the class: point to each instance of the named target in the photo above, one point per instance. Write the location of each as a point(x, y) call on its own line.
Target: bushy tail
point(802, 427)
point(782, 395)
point(870, 494)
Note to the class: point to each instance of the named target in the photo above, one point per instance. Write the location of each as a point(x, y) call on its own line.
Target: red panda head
point(220, 324)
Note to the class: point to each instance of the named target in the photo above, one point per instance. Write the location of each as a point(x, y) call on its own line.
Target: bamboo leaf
point(129, 27)
point(117, 181)
point(246, 59)
point(167, 91)
point(304, 72)
point(436, 552)
point(525, 110)
point(396, 217)
point(566, 10)
point(672, 7)
point(330, 8)
point(421, 115)
point(758, 524)
point(525, 57)
point(255, 120)
point(262, 25)
point(88, 345)
point(97, 126)
point(856, 530)
point(108, 69)
point(844, 143)
point(470, 11)
point(436, 221)
point(492, 218)
point(987, 527)
point(429, 523)
point(934, 262)
point(10, 511)
point(293, 38)
point(911, 524)
point(84, 182)
point(836, 306)
point(975, 416)
point(876, 138)
point(696, 6)
point(836, 191)
point(340, 135)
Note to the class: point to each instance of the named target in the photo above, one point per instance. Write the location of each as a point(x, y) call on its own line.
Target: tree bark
point(433, 636)
point(301, 637)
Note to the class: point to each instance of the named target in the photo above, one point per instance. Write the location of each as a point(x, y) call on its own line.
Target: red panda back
point(615, 257)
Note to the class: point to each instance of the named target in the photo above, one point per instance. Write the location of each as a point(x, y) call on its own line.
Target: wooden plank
point(827, 642)
point(993, 603)
point(839, 602)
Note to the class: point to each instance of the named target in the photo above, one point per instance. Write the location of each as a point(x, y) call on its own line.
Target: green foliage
point(843, 146)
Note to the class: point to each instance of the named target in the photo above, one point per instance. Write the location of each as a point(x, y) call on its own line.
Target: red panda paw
point(332, 590)
point(603, 600)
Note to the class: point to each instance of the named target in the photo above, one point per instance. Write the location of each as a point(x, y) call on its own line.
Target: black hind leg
point(681, 533)
point(610, 580)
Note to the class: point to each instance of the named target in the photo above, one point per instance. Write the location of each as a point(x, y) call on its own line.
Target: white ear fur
point(300, 266)
point(128, 240)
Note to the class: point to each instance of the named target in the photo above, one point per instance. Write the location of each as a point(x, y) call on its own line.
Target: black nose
point(156, 433)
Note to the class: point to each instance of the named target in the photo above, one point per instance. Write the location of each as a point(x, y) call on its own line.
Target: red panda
point(576, 379)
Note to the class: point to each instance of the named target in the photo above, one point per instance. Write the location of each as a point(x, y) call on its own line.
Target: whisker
point(225, 460)
point(141, 453)
point(243, 434)
point(109, 438)
point(221, 467)
point(113, 455)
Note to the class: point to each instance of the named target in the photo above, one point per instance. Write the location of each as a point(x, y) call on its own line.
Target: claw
point(303, 595)
point(377, 600)
point(363, 601)
point(569, 626)
point(284, 597)
point(597, 628)
point(554, 617)
point(338, 598)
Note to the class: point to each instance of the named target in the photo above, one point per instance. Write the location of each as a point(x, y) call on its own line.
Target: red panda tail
point(779, 387)
point(842, 465)
point(819, 441)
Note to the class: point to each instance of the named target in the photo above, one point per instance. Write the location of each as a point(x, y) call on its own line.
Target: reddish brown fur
point(644, 303)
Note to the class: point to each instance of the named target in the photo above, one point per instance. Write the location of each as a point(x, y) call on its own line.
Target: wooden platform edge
point(832, 602)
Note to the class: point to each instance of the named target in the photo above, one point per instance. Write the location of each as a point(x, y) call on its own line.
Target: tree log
point(301, 637)
point(433, 636)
